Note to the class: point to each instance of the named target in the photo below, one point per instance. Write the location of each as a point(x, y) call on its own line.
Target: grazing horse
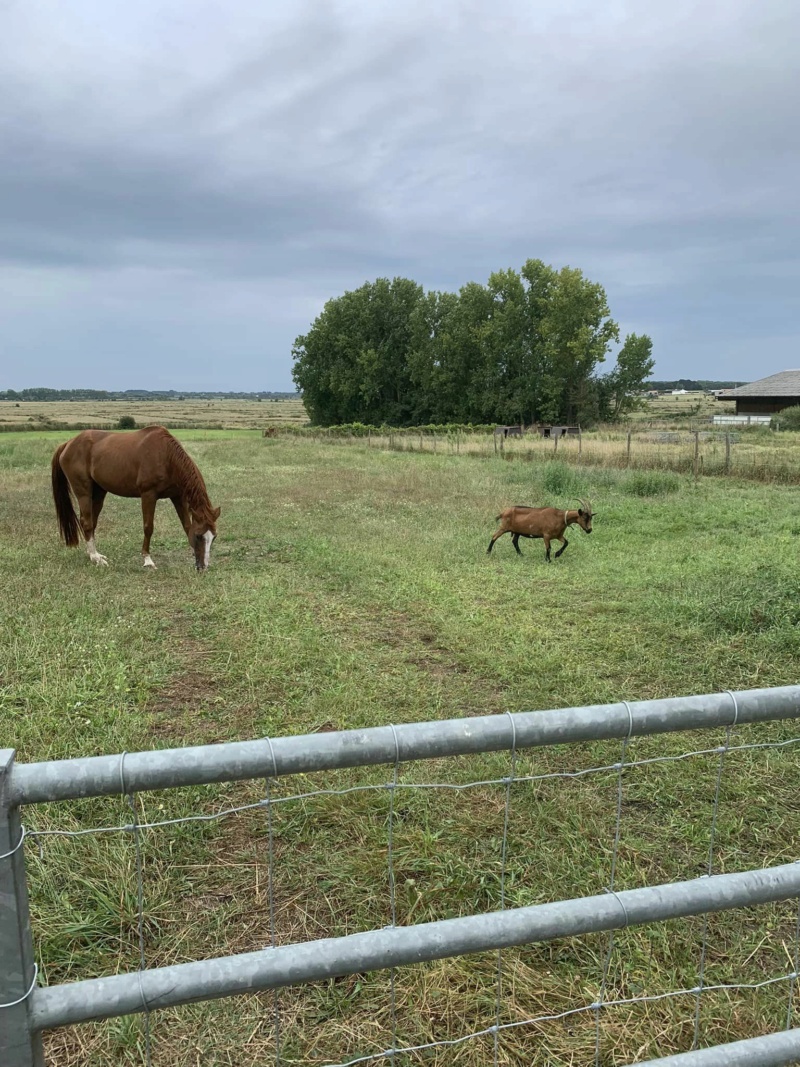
point(148, 463)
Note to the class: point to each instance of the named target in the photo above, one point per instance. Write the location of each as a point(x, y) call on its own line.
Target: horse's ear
point(216, 513)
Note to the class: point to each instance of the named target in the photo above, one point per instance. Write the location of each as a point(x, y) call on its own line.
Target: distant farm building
point(557, 431)
point(679, 392)
point(543, 431)
point(767, 395)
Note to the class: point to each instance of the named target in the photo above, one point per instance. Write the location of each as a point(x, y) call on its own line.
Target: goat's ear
point(580, 512)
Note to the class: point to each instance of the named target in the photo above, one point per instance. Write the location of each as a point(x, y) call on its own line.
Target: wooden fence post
point(696, 454)
point(727, 451)
point(628, 462)
point(495, 443)
point(555, 443)
point(580, 442)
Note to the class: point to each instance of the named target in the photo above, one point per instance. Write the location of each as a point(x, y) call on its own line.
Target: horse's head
point(202, 532)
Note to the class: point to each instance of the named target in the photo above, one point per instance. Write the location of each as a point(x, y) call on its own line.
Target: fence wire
point(598, 1007)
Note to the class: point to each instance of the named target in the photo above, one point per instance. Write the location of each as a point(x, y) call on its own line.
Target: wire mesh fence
point(759, 455)
point(588, 997)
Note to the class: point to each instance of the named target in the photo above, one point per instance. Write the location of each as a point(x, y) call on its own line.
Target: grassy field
point(351, 587)
point(695, 405)
point(177, 414)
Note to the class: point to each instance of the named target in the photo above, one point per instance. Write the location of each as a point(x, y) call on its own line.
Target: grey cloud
point(656, 149)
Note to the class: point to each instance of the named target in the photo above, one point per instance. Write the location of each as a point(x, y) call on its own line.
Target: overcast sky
point(183, 183)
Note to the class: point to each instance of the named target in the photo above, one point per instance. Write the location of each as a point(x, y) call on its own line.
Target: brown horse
point(149, 464)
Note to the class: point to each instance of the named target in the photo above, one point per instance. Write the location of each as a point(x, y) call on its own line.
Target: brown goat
point(547, 523)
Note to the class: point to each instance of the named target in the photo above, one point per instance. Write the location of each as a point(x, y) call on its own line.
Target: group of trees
point(525, 347)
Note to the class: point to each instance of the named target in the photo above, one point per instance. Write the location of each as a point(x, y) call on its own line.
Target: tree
point(524, 347)
point(577, 332)
point(352, 365)
point(634, 366)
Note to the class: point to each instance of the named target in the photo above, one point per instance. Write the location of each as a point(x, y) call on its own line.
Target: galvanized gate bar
point(161, 987)
point(35, 783)
point(774, 1050)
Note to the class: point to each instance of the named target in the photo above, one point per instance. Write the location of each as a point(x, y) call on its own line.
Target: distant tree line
point(692, 385)
point(525, 347)
point(135, 394)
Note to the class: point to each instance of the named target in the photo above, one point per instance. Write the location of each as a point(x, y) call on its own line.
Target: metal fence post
point(19, 1047)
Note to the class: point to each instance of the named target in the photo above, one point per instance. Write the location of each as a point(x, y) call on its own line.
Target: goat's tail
point(65, 512)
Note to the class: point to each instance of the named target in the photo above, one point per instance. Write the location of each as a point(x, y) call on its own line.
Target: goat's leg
point(499, 533)
point(564, 543)
point(515, 540)
point(547, 547)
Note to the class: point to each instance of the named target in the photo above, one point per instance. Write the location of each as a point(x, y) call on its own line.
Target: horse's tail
point(67, 519)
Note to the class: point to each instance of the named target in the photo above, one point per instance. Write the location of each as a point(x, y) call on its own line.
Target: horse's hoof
point(148, 563)
point(100, 560)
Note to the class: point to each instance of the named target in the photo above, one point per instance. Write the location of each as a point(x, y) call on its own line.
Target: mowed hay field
point(695, 404)
point(351, 587)
point(105, 414)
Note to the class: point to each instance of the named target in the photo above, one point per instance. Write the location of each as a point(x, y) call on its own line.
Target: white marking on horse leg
point(208, 537)
point(148, 562)
point(94, 555)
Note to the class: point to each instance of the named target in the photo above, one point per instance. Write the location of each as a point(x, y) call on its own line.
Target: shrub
point(651, 483)
point(360, 429)
point(788, 419)
point(126, 422)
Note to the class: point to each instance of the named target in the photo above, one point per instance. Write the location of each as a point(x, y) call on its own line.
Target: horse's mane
point(186, 473)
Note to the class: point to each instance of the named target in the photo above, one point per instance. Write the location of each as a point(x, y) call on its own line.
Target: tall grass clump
point(561, 479)
point(650, 483)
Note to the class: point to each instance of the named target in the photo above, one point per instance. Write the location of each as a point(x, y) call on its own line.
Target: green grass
point(351, 587)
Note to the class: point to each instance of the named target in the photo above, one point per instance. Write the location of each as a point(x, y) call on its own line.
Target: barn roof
point(785, 383)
